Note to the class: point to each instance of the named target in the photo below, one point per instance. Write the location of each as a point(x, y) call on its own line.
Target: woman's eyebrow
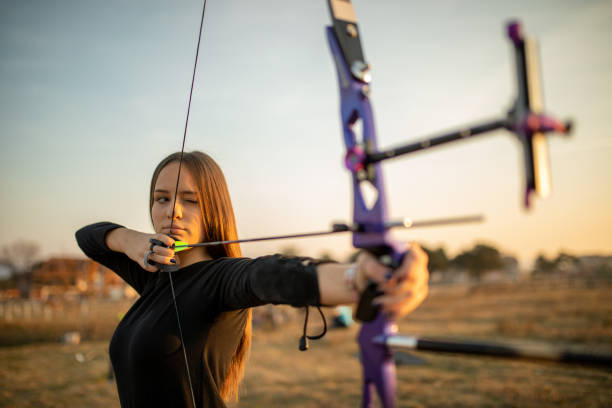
point(184, 192)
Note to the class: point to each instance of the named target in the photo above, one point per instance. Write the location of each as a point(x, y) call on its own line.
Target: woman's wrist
point(335, 284)
point(357, 274)
point(354, 279)
point(115, 239)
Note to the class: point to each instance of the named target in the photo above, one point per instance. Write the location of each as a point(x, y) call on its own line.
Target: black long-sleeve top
point(212, 298)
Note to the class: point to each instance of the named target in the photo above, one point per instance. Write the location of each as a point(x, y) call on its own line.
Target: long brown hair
point(219, 225)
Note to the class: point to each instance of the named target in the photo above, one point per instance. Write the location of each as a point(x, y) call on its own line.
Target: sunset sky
point(93, 94)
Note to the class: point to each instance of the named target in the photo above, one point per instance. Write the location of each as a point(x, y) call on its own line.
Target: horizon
point(296, 250)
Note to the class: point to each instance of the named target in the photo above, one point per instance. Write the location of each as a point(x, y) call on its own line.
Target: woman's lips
point(174, 230)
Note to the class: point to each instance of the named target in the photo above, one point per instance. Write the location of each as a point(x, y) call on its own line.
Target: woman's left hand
point(404, 289)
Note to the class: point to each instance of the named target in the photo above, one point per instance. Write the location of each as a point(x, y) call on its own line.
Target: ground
point(565, 312)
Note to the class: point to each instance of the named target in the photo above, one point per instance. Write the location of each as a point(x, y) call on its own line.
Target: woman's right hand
point(136, 245)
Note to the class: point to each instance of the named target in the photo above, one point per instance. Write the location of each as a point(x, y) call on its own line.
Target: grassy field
point(328, 375)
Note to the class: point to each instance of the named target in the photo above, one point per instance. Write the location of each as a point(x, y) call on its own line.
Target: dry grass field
point(563, 312)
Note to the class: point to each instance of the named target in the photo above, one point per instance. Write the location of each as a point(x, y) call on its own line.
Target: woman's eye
point(161, 199)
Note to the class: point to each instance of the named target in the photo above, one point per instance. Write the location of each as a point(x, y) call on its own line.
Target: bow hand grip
point(366, 311)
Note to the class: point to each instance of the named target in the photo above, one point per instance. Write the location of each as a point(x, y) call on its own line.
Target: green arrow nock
point(180, 246)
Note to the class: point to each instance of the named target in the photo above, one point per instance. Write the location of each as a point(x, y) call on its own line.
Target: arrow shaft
point(343, 228)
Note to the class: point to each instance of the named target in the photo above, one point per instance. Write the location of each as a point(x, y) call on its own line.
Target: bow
point(363, 158)
point(370, 224)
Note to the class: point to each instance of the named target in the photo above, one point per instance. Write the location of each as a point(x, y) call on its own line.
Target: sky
point(93, 94)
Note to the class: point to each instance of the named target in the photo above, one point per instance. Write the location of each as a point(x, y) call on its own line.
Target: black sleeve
point(92, 240)
point(237, 283)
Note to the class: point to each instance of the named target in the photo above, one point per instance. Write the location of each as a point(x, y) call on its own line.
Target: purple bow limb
point(377, 361)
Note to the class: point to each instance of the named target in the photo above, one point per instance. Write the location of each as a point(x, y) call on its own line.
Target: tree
point(565, 262)
point(543, 265)
point(562, 263)
point(21, 256)
point(478, 260)
point(438, 260)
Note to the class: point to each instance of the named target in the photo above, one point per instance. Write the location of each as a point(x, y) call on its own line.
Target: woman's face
point(187, 224)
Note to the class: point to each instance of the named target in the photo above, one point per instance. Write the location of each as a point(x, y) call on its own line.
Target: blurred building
point(65, 278)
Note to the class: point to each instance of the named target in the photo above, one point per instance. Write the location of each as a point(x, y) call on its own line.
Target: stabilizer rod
point(430, 142)
point(542, 352)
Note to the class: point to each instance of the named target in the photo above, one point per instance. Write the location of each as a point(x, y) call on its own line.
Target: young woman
point(214, 290)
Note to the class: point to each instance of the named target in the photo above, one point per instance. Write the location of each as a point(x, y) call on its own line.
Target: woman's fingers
point(162, 251)
point(158, 254)
point(403, 302)
point(418, 277)
point(161, 259)
point(371, 270)
point(146, 265)
point(412, 272)
point(414, 265)
point(164, 239)
point(404, 289)
point(163, 254)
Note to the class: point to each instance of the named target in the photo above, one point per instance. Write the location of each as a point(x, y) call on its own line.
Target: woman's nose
point(175, 211)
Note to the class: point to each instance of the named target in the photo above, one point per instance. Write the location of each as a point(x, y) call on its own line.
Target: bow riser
point(355, 107)
point(371, 235)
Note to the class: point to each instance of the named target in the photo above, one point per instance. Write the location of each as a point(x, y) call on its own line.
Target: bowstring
point(178, 177)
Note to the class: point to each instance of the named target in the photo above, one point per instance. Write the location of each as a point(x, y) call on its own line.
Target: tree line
point(477, 260)
point(484, 258)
